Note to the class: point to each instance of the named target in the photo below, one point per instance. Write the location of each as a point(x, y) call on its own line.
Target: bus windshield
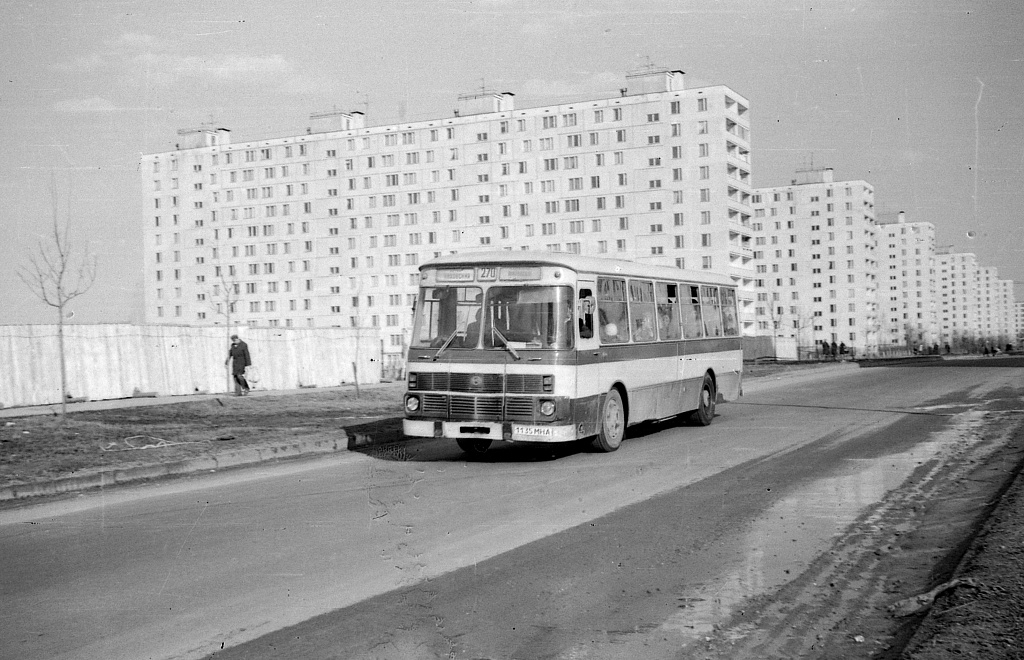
point(509, 317)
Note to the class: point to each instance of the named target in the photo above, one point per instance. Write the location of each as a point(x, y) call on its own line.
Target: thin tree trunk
point(63, 364)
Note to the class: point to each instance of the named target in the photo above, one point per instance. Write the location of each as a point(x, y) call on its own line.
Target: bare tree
point(56, 276)
point(223, 298)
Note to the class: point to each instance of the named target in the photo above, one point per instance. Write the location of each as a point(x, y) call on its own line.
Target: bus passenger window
point(611, 311)
point(693, 327)
point(712, 311)
point(668, 311)
point(729, 320)
point(641, 310)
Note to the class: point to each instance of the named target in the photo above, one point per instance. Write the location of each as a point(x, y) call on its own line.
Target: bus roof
point(580, 263)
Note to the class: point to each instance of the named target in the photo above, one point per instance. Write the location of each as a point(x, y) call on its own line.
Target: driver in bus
point(562, 334)
point(472, 331)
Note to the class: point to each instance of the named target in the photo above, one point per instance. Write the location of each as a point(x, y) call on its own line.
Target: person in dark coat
point(238, 356)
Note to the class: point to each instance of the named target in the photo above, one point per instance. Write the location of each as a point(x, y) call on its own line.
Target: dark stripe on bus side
point(606, 353)
point(629, 352)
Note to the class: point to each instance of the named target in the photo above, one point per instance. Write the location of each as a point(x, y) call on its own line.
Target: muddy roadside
point(932, 571)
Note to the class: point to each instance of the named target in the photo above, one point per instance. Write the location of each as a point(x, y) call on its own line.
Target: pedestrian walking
point(835, 351)
point(238, 356)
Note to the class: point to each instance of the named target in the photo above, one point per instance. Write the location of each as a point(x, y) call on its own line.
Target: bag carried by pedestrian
point(251, 374)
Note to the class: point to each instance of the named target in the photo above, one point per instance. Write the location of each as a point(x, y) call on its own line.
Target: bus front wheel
point(613, 422)
point(474, 446)
point(705, 411)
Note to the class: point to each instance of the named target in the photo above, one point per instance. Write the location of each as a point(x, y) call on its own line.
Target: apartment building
point(328, 227)
point(959, 292)
point(816, 267)
point(908, 298)
point(1018, 313)
point(996, 314)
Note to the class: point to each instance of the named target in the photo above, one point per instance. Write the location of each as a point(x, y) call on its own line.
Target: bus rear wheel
point(613, 422)
point(474, 446)
point(705, 411)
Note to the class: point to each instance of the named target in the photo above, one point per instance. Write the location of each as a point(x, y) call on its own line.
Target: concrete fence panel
point(114, 361)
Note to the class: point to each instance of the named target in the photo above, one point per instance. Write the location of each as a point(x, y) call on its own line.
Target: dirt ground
point(38, 448)
point(984, 619)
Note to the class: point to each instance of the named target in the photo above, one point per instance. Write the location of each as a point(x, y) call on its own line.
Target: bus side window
point(668, 310)
point(586, 313)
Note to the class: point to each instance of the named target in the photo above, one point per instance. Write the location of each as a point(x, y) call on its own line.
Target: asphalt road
point(410, 551)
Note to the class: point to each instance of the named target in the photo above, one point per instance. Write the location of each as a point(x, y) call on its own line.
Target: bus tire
point(705, 411)
point(613, 422)
point(474, 446)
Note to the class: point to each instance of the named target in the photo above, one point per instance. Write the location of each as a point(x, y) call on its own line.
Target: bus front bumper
point(507, 431)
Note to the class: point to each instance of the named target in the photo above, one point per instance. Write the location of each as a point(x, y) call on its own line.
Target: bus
point(553, 347)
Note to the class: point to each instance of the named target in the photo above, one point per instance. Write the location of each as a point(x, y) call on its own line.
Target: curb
point(378, 432)
point(375, 432)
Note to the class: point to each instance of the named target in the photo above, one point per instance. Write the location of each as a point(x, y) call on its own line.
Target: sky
point(923, 99)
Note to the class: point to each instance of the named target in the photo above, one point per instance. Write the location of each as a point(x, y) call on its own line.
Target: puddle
point(783, 542)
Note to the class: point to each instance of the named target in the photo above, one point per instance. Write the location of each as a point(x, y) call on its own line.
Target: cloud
point(169, 68)
point(92, 104)
point(164, 62)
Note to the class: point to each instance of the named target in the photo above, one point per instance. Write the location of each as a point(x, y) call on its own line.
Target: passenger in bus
point(644, 330)
point(666, 326)
point(561, 334)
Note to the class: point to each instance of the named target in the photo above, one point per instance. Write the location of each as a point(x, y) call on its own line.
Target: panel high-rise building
point(328, 227)
point(977, 307)
point(908, 293)
point(959, 293)
point(816, 263)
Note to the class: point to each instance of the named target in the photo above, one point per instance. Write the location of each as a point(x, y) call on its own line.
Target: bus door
point(590, 358)
point(667, 303)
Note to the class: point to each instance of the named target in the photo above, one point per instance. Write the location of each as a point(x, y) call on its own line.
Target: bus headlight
point(412, 403)
point(547, 408)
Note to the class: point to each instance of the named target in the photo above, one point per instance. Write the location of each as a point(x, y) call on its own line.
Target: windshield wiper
point(446, 344)
point(504, 342)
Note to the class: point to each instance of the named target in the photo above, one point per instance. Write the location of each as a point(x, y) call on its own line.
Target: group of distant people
point(833, 351)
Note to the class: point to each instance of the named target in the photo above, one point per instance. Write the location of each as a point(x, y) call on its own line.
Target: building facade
point(815, 244)
point(907, 284)
point(1019, 316)
point(959, 291)
point(329, 227)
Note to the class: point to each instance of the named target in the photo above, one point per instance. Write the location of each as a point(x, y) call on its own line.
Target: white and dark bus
point(551, 347)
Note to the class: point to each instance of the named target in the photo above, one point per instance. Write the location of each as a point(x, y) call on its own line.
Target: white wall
point(113, 361)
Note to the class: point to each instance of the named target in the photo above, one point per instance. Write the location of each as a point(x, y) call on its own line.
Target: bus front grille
point(483, 383)
point(475, 407)
point(435, 405)
point(432, 381)
point(524, 383)
point(518, 408)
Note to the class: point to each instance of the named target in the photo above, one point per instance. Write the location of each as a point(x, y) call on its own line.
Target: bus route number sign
point(487, 274)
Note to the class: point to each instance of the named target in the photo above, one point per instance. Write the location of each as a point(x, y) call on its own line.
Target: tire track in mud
point(910, 540)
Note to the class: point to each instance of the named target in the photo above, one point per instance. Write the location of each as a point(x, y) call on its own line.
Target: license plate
point(539, 431)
